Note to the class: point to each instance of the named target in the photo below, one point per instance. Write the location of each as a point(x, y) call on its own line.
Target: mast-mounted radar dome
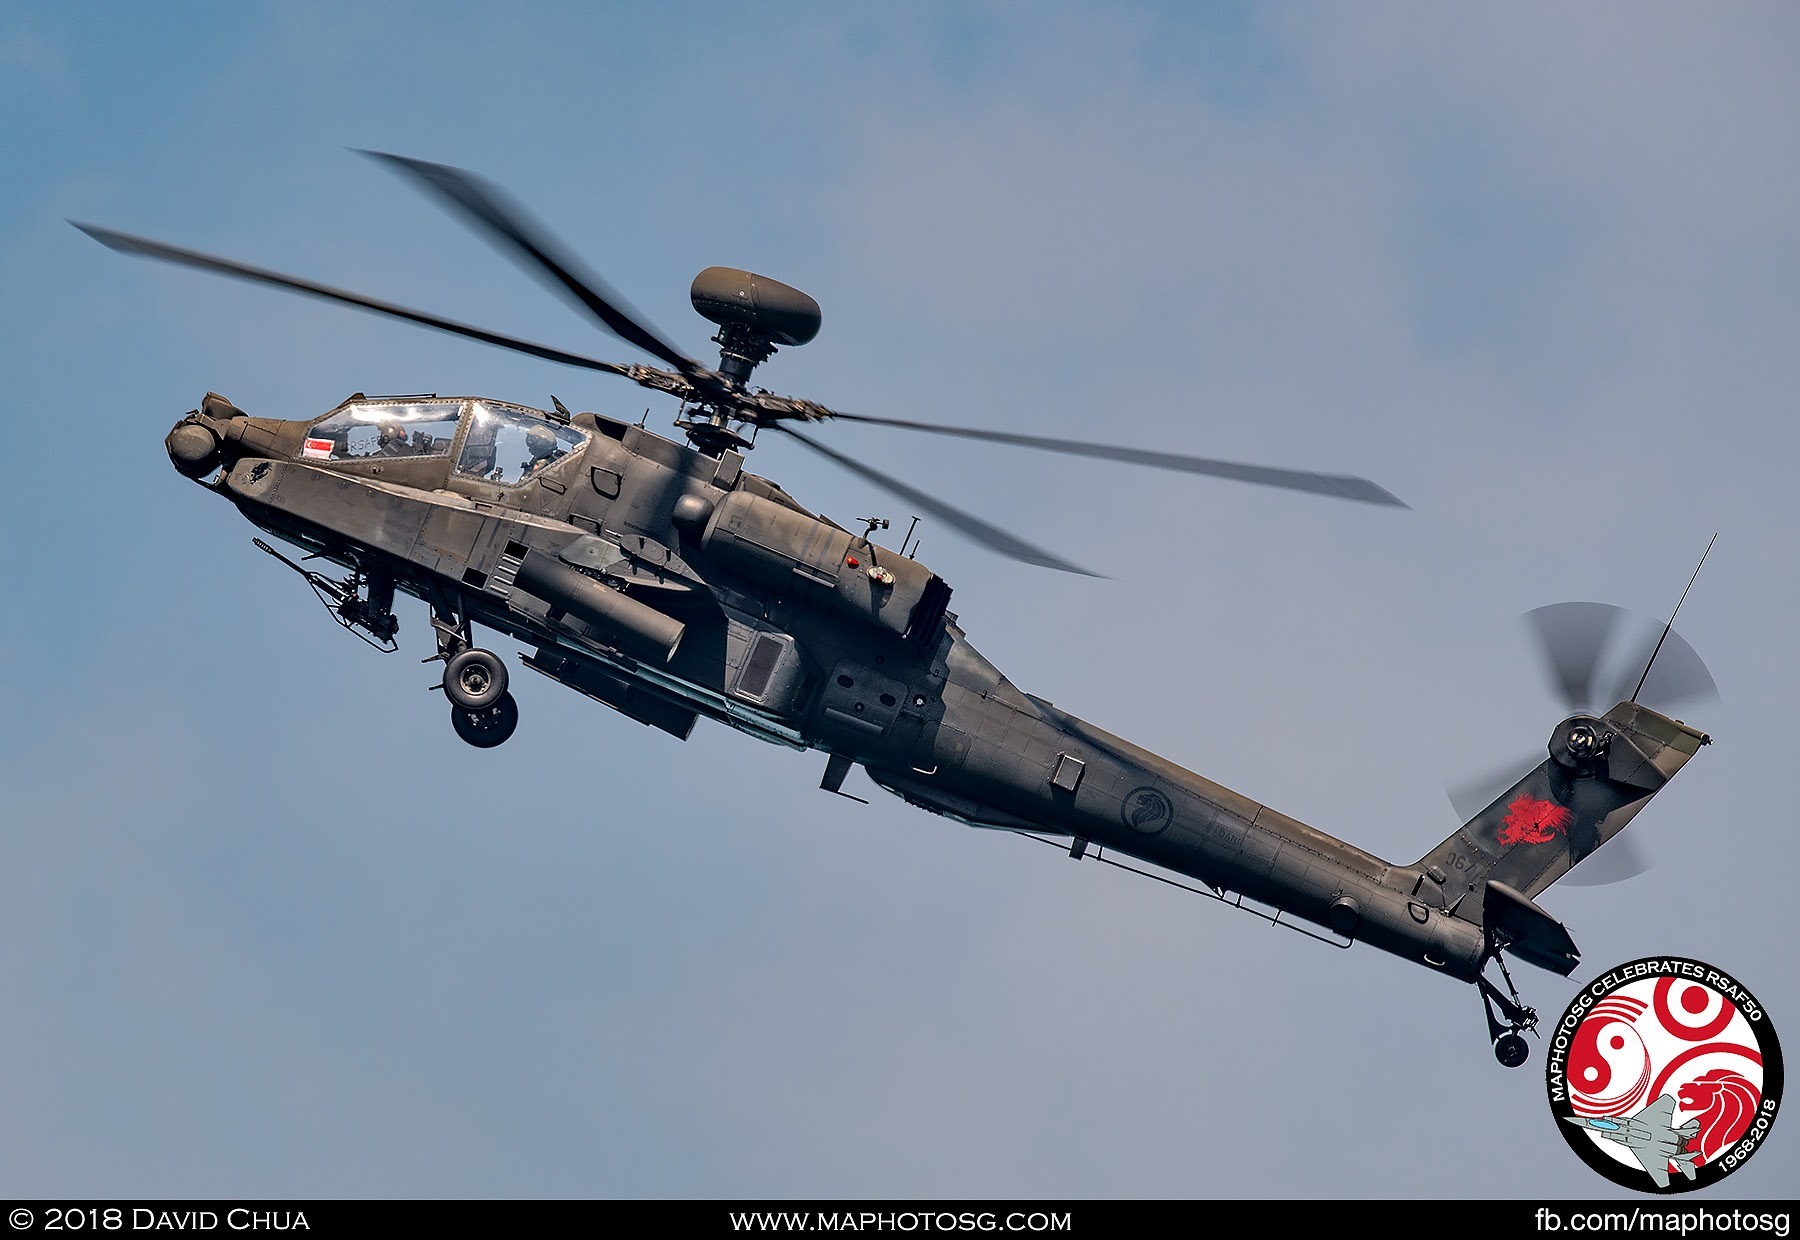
point(769, 308)
point(754, 314)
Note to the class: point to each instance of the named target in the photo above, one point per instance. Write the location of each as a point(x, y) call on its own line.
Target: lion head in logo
point(1726, 1102)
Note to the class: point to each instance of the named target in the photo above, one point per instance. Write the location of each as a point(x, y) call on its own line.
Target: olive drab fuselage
point(671, 584)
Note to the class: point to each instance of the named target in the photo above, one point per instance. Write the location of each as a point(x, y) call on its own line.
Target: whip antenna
point(1671, 623)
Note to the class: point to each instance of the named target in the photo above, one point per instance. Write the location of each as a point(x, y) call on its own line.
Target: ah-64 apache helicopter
point(670, 583)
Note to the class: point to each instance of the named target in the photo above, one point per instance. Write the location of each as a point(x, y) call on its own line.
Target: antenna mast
point(1671, 624)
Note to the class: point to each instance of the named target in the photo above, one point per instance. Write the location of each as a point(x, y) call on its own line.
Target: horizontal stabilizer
point(1528, 931)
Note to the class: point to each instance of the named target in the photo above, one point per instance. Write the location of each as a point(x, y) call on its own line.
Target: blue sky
point(276, 932)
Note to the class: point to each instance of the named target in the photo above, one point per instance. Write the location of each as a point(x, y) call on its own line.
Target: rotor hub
point(1580, 744)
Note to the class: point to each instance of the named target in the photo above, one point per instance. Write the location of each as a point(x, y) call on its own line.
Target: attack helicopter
point(668, 582)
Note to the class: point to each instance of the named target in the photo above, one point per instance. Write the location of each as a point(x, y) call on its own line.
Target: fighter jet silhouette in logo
point(1650, 1138)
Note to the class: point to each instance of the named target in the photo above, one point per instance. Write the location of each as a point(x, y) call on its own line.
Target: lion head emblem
point(1726, 1103)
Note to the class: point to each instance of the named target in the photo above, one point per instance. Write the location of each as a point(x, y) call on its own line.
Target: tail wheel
point(475, 680)
point(487, 727)
point(1507, 1017)
point(1511, 1050)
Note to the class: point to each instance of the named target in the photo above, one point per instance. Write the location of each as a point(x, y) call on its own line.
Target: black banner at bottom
point(61, 1219)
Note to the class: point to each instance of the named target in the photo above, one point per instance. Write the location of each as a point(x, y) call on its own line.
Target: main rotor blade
point(125, 243)
point(990, 536)
point(485, 206)
point(1339, 486)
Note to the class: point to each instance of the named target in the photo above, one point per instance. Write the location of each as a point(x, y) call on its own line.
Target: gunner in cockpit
point(543, 447)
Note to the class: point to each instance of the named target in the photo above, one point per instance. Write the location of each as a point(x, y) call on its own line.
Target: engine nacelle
point(824, 566)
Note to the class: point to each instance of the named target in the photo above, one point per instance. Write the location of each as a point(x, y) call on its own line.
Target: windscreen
point(369, 429)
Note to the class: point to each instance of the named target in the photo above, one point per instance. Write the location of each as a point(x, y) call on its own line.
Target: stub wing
point(1531, 934)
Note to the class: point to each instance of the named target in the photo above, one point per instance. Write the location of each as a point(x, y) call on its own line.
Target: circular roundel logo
point(1146, 810)
point(1664, 1075)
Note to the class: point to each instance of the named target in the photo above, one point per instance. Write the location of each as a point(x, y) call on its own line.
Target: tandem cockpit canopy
point(502, 443)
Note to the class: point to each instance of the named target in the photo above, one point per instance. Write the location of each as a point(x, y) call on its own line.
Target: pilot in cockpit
point(392, 440)
point(544, 449)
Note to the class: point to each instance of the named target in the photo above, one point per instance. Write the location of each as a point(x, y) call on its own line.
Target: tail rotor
point(1594, 655)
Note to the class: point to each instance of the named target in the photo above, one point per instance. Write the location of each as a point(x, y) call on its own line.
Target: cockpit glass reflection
point(508, 444)
point(368, 429)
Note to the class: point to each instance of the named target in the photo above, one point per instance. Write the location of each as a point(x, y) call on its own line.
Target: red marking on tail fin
point(1531, 821)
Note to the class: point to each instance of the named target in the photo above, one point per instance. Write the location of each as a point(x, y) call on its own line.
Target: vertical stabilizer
point(1599, 773)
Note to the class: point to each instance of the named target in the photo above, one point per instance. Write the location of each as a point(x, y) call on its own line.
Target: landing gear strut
point(1507, 1017)
point(483, 713)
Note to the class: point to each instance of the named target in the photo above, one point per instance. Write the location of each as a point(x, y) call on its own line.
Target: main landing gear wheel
point(475, 680)
point(488, 727)
point(1511, 1050)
